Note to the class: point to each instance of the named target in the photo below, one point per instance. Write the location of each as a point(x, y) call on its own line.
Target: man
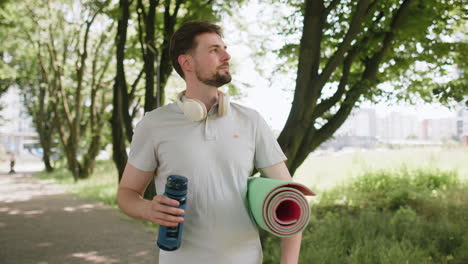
point(215, 144)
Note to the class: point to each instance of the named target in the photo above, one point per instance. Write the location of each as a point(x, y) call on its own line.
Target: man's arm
point(290, 246)
point(130, 199)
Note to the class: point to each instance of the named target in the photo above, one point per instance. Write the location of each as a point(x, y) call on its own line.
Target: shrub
point(387, 217)
point(391, 190)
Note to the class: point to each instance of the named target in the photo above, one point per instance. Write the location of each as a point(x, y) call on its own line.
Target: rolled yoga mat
point(278, 206)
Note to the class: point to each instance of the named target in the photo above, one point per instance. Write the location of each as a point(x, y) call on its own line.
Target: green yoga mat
point(278, 206)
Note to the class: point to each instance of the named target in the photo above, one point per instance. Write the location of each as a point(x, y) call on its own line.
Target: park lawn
point(322, 172)
point(396, 206)
point(397, 216)
point(101, 186)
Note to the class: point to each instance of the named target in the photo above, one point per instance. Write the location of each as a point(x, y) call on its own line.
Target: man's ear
point(185, 62)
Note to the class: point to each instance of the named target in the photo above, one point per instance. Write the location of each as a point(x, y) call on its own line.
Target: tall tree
point(349, 47)
point(40, 96)
point(73, 59)
point(27, 70)
point(7, 73)
point(121, 121)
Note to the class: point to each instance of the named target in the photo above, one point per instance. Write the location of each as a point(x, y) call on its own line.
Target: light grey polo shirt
point(217, 155)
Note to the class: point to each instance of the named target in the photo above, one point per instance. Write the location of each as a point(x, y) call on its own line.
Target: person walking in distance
point(12, 157)
point(213, 142)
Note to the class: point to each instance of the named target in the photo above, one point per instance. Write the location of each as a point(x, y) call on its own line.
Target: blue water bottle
point(169, 238)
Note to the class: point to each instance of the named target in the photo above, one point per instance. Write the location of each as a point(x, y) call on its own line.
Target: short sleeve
point(142, 149)
point(267, 150)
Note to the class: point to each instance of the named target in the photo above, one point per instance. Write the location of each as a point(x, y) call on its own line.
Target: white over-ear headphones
point(195, 109)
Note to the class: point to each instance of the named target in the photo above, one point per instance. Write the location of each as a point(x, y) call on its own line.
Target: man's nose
point(226, 56)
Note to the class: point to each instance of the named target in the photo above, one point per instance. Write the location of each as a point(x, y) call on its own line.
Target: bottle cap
point(177, 182)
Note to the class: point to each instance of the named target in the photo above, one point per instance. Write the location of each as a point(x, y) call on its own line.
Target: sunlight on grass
point(100, 186)
point(322, 172)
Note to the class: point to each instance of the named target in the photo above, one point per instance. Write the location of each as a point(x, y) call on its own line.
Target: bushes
point(387, 217)
point(391, 190)
point(101, 186)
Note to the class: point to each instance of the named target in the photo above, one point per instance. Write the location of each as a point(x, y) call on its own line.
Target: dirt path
point(41, 224)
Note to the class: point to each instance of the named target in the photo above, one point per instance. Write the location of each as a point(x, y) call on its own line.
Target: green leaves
point(425, 38)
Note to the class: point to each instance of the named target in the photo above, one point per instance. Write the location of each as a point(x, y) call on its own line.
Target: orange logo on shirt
point(236, 136)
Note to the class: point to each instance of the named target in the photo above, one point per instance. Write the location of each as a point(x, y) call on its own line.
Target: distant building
point(462, 122)
point(439, 129)
point(364, 128)
point(17, 133)
point(398, 126)
point(361, 123)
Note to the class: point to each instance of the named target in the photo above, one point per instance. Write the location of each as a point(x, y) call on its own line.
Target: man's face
point(211, 60)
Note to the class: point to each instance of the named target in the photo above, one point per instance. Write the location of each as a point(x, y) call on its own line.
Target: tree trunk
point(46, 149)
point(119, 137)
point(45, 130)
point(149, 58)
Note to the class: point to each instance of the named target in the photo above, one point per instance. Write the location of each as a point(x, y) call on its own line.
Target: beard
point(217, 79)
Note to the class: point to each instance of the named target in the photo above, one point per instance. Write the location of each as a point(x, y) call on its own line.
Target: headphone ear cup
point(194, 110)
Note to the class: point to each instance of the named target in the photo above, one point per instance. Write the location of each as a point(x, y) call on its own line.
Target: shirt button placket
point(209, 129)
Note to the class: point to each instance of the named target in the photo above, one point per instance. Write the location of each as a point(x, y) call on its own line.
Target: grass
point(101, 186)
point(397, 216)
point(398, 206)
point(323, 172)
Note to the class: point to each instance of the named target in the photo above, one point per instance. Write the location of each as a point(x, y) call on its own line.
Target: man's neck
point(205, 93)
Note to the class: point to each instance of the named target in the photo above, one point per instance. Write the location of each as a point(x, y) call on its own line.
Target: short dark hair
point(183, 40)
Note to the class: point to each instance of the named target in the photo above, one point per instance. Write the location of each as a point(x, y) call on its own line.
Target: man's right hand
point(163, 211)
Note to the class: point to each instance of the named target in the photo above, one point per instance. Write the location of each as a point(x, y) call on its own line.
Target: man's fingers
point(165, 223)
point(164, 211)
point(169, 210)
point(169, 218)
point(166, 200)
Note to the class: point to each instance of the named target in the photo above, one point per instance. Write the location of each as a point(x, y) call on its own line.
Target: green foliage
point(392, 190)
point(426, 59)
point(100, 186)
point(387, 217)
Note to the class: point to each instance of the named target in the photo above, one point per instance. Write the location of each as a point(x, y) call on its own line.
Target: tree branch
point(81, 62)
point(351, 34)
point(141, 15)
point(57, 75)
point(141, 9)
point(176, 10)
point(43, 67)
point(96, 81)
point(135, 83)
point(134, 110)
point(326, 104)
